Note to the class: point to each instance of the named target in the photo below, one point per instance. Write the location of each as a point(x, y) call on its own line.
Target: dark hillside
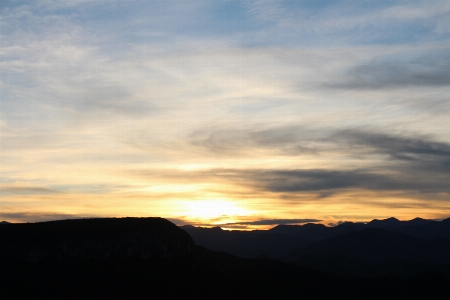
point(199, 275)
point(101, 238)
point(248, 244)
point(346, 267)
point(152, 258)
point(376, 245)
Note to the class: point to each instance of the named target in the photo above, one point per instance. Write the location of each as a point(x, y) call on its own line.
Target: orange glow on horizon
point(213, 209)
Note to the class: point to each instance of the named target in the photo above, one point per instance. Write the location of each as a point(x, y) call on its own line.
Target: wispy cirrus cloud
point(26, 190)
point(403, 147)
point(308, 140)
point(39, 216)
point(429, 69)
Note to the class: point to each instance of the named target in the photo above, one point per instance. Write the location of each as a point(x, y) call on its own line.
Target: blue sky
point(214, 112)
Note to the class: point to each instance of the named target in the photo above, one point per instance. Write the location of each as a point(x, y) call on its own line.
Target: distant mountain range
point(404, 248)
point(417, 227)
point(284, 239)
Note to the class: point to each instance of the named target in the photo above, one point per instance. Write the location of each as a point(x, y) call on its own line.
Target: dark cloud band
point(274, 222)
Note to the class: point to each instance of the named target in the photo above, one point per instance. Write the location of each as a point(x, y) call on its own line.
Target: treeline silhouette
point(153, 258)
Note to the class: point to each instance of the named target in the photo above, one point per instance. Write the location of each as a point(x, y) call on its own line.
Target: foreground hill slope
point(100, 238)
point(199, 275)
point(375, 252)
point(374, 245)
point(343, 266)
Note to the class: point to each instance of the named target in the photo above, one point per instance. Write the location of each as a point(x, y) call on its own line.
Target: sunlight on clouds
point(194, 167)
point(213, 209)
point(171, 188)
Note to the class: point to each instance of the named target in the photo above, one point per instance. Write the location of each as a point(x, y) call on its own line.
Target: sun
point(211, 209)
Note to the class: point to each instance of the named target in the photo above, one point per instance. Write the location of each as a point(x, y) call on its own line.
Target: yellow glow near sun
point(209, 209)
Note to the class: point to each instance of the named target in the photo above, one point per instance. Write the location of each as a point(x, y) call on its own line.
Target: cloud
point(428, 69)
point(178, 222)
point(289, 184)
point(246, 224)
point(408, 164)
point(404, 147)
point(273, 222)
point(292, 140)
point(19, 217)
point(26, 190)
point(325, 183)
point(287, 140)
point(384, 22)
point(414, 158)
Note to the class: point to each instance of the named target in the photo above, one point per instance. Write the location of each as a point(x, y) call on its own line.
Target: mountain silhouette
point(284, 239)
point(102, 238)
point(249, 244)
point(152, 258)
point(388, 247)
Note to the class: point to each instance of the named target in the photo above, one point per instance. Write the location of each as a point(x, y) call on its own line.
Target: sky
point(235, 113)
